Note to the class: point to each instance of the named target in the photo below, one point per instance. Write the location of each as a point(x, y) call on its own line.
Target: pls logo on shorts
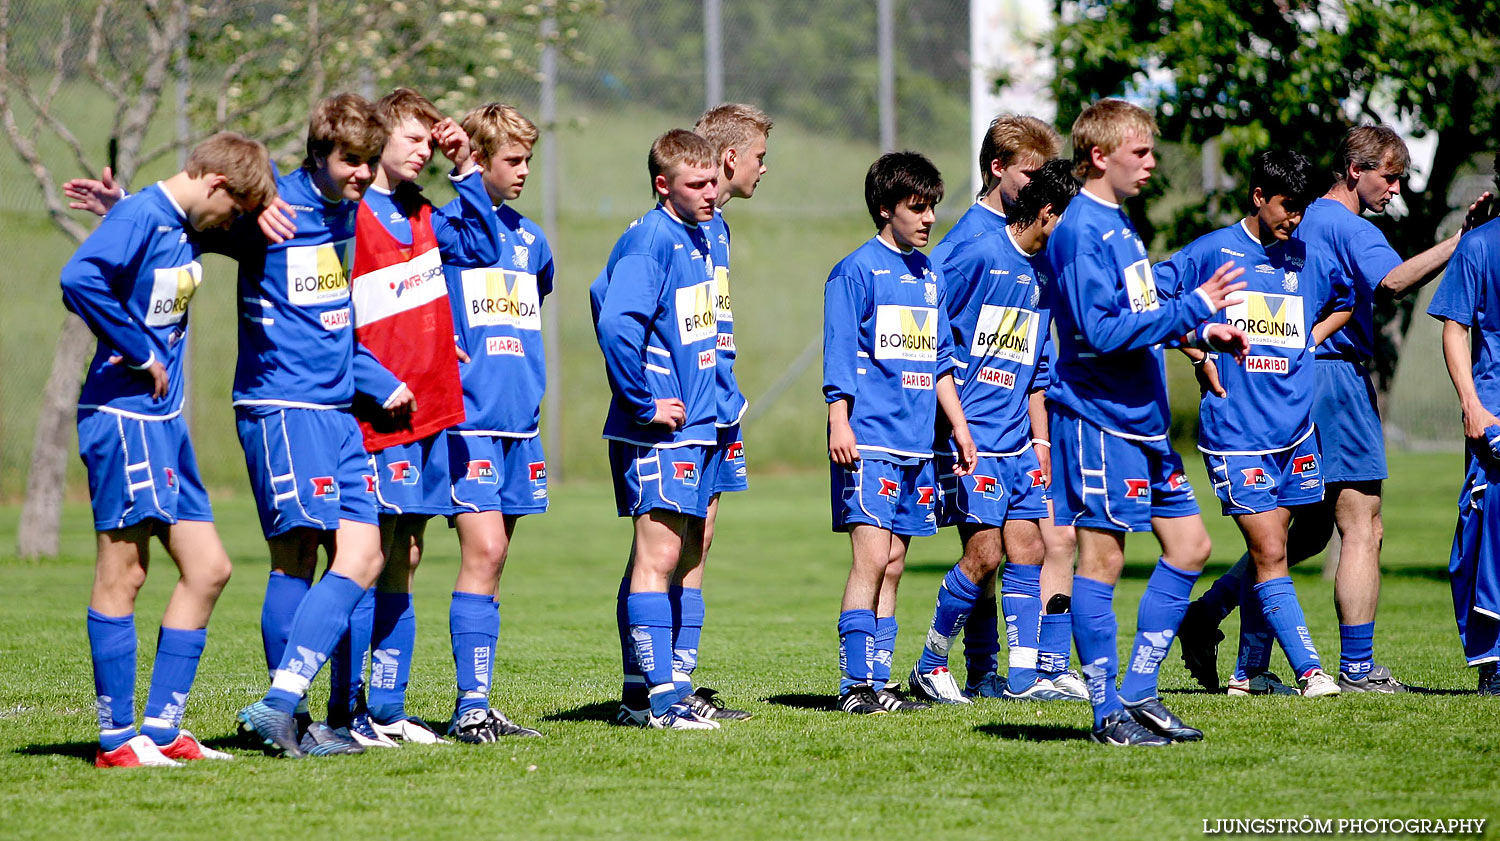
point(889, 489)
point(1256, 477)
point(1138, 490)
point(1305, 465)
point(1177, 480)
point(404, 472)
point(538, 471)
point(325, 487)
point(482, 470)
point(1036, 478)
point(735, 451)
point(171, 479)
point(926, 496)
point(369, 482)
point(685, 472)
point(986, 486)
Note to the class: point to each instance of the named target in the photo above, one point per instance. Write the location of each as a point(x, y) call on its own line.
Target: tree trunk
point(41, 514)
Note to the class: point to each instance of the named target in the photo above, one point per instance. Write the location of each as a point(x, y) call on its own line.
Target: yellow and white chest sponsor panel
point(1140, 287)
point(1008, 333)
point(171, 291)
point(318, 274)
point(398, 288)
point(1269, 320)
point(721, 297)
point(697, 312)
point(903, 332)
point(498, 297)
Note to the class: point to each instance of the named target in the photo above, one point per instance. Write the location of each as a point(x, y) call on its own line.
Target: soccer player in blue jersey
point(497, 470)
point(1013, 147)
point(1471, 347)
point(1370, 162)
point(1114, 470)
point(400, 234)
point(887, 371)
point(654, 309)
point(994, 285)
point(738, 133)
point(131, 281)
point(1256, 431)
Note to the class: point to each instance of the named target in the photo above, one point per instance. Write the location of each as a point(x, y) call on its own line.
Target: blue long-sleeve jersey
point(466, 231)
point(1470, 295)
point(732, 403)
point(1268, 405)
point(1001, 333)
point(654, 314)
point(980, 218)
point(296, 337)
point(497, 314)
point(1110, 318)
point(1364, 256)
point(886, 341)
point(131, 282)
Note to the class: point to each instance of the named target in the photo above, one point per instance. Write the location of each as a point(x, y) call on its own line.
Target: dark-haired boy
point(994, 284)
point(887, 369)
point(1256, 431)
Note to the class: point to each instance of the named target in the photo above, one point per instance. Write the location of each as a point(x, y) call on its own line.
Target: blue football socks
point(955, 601)
point(1054, 644)
point(1162, 605)
point(474, 628)
point(112, 647)
point(982, 638)
point(651, 633)
point(1357, 649)
point(856, 648)
point(1021, 596)
point(633, 688)
point(1095, 632)
point(320, 621)
point(1278, 601)
point(885, 652)
point(1255, 635)
point(283, 594)
point(177, 654)
point(687, 629)
point(390, 656)
point(346, 663)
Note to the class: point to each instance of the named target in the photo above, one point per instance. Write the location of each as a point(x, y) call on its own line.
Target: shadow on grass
point(1032, 732)
point(805, 701)
point(1135, 570)
point(598, 711)
point(76, 750)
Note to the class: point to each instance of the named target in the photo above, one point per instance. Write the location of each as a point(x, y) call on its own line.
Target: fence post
point(886, 47)
point(713, 54)
point(550, 153)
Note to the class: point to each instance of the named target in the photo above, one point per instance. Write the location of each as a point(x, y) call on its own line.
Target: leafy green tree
point(1297, 74)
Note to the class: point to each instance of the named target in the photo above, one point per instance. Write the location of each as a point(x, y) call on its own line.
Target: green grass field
point(798, 770)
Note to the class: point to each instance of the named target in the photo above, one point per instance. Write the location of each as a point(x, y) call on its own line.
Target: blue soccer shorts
point(900, 498)
point(1348, 423)
point(140, 469)
point(308, 468)
point(413, 478)
point(726, 462)
point(496, 473)
point(1102, 480)
point(1000, 488)
point(1250, 484)
point(660, 478)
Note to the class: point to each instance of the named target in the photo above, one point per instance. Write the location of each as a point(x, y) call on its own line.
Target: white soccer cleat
point(681, 717)
point(410, 730)
point(1317, 684)
point(1264, 683)
point(1070, 684)
point(936, 686)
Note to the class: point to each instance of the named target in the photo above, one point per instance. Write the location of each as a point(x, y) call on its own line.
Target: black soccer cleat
point(1121, 730)
point(1489, 679)
point(896, 701)
point(860, 700)
point(1153, 715)
point(705, 702)
point(275, 729)
point(1198, 639)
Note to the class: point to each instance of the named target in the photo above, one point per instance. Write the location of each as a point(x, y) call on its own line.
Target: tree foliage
point(1297, 74)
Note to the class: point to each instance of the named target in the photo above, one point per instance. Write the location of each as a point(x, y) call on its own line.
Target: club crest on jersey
point(1138, 490)
point(1256, 477)
point(538, 472)
point(889, 489)
point(404, 472)
point(1036, 477)
point(926, 496)
point(903, 332)
point(986, 486)
point(482, 470)
point(325, 487)
point(735, 451)
point(520, 255)
point(1305, 465)
point(685, 472)
point(1289, 282)
point(929, 293)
